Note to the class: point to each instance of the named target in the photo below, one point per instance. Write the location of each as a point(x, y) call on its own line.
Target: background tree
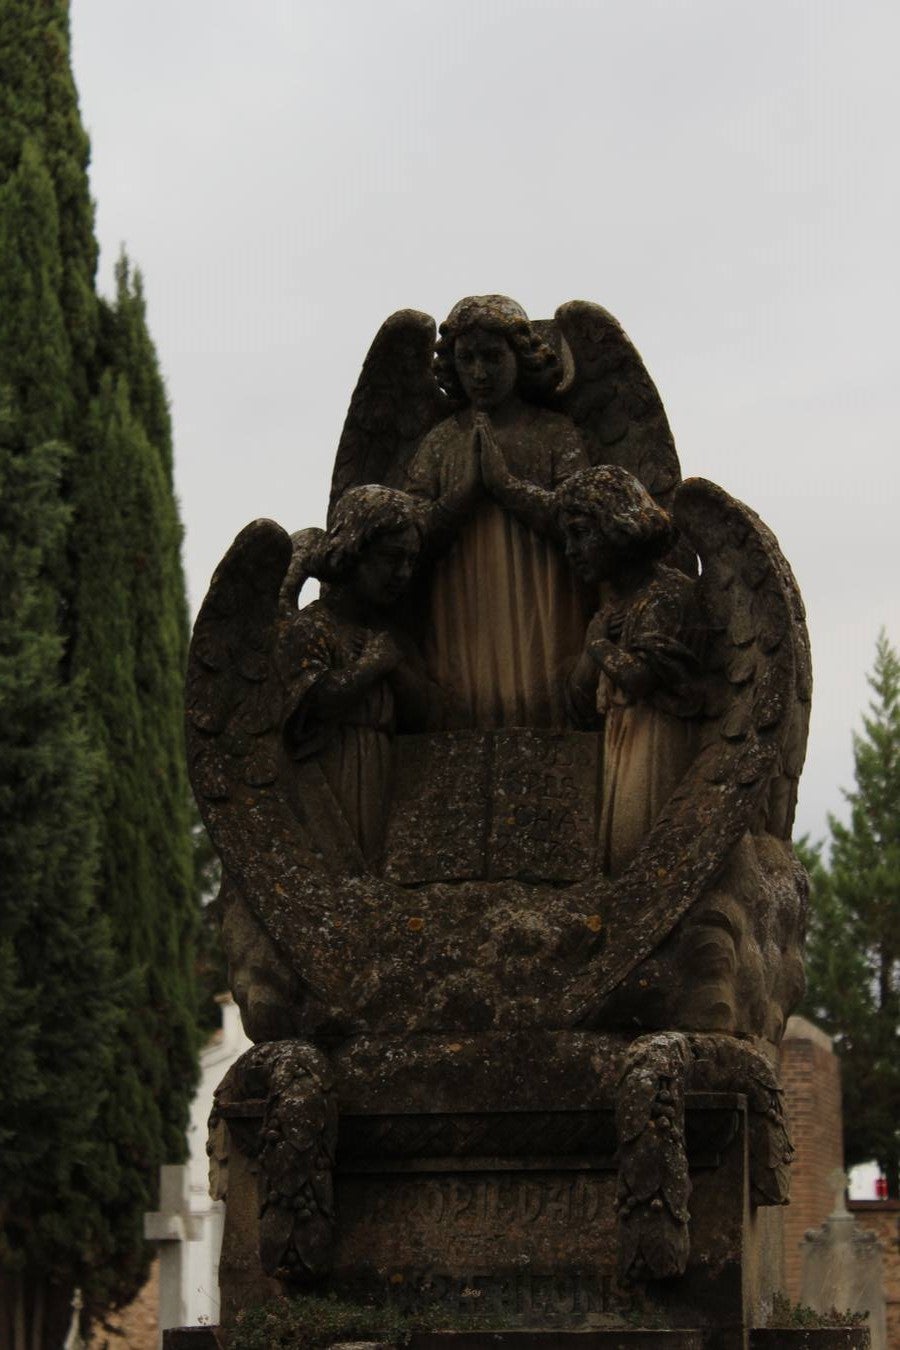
point(853, 959)
point(98, 908)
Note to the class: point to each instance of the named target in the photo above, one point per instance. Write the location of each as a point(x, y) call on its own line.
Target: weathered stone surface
point(505, 822)
point(518, 804)
point(191, 1338)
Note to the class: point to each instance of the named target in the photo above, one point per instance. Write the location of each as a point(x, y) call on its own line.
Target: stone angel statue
point(522, 779)
point(503, 615)
point(302, 704)
point(311, 715)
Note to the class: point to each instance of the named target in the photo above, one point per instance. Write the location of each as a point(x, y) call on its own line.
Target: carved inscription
point(437, 825)
point(500, 1203)
point(522, 1296)
point(455, 1224)
point(544, 805)
point(517, 804)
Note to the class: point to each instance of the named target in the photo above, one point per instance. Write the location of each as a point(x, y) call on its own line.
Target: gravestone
point(842, 1266)
point(509, 900)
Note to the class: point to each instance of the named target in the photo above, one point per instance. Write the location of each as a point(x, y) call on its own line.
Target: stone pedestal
point(632, 1338)
point(513, 1215)
point(480, 1175)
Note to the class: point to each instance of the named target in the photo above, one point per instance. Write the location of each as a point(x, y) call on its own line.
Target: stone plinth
point(630, 1338)
point(513, 1215)
point(455, 1184)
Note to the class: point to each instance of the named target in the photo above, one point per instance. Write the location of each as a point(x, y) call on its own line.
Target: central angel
point(506, 615)
point(482, 430)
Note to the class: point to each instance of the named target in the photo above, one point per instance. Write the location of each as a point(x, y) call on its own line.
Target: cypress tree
point(99, 615)
point(129, 648)
point(58, 993)
point(854, 947)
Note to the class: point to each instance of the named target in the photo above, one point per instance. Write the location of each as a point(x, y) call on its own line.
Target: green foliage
point(38, 104)
point(853, 964)
point(308, 1322)
point(129, 649)
point(99, 904)
point(787, 1315)
point(58, 992)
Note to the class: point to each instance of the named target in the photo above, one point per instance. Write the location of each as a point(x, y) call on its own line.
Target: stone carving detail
point(653, 1186)
point(527, 766)
point(278, 1104)
point(726, 1064)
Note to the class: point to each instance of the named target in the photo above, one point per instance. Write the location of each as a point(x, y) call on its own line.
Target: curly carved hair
point(361, 516)
point(627, 516)
point(540, 371)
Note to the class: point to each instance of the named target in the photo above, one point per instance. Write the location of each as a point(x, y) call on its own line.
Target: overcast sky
point(721, 175)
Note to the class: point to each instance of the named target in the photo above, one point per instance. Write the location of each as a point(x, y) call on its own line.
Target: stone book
point(516, 804)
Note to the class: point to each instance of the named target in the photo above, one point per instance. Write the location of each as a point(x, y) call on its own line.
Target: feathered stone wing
point(277, 838)
point(614, 402)
point(395, 403)
point(756, 696)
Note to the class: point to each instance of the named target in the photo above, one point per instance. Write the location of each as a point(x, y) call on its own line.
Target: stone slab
point(191, 1338)
point(637, 1337)
point(517, 804)
point(836, 1338)
point(511, 1215)
point(799, 1338)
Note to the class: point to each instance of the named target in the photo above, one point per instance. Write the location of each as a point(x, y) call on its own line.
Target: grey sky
point(721, 175)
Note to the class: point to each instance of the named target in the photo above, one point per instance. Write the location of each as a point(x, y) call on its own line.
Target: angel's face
point(586, 549)
point(386, 566)
point(486, 366)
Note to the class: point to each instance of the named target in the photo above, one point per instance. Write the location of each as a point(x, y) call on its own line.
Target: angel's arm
point(420, 701)
point(319, 691)
point(629, 671)
point(446, 478)
point(655, 655)
point(585, 676)
point(336, 692)
point(529, 502)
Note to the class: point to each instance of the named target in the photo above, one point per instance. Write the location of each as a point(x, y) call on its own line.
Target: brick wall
point(883, 1218)
point(135, 1327)
point(810, 1074)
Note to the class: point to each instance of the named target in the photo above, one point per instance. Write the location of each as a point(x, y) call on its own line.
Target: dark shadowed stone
point(191, 1338)
point(510, 905)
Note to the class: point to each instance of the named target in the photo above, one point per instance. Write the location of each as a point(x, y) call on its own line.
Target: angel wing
point(269, 832)
point(614, 402)
point(757, 690)
point(233, 693)
point(306, 545)
point(395, 403)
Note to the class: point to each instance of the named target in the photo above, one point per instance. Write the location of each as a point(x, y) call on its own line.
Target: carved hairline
point(382, 510)
point(598, 492)
point(536, 360)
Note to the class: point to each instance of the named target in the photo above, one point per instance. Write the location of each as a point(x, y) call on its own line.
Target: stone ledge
point(628, 1338)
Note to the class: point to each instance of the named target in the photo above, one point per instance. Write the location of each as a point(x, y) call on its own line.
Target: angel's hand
point(615, 621)
point(380, 654)
point(596, 633)
point(494, 469)
point(598, 646)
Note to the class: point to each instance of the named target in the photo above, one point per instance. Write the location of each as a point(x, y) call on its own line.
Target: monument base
point(629, 1338)
point(479, 1182)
